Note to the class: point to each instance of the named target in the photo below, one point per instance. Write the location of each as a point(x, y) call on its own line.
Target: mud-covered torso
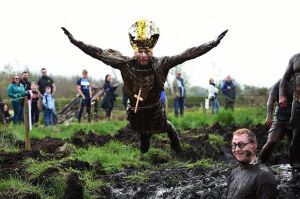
point(251, 182)
point(138, 77)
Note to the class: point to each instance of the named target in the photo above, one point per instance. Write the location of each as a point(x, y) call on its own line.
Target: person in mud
point(229, 92)
point(144, 76)
point(85, 92)
point(280, 125)
point(109, 98)
point(251, 179)
point(179, 94)
point(293, 71)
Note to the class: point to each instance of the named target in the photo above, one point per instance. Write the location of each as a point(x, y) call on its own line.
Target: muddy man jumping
point(144, 76)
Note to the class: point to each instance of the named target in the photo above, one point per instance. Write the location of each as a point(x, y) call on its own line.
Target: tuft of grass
point(114, 156)
point(8, 137)
point(91, 184)
point(35, 168)
point(225, 117)
point(19, 186)
point(216, 141)
point(57, 184)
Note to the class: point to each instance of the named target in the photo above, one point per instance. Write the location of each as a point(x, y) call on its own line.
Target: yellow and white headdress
point(143, 34)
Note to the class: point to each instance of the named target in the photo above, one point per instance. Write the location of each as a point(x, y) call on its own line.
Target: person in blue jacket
point(229, 92)
point(15, 92)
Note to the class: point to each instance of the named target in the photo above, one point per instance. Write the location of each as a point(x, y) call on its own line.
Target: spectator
point(109, 98)
point(212, 96)
point(48, 106)
point(163, 98)
point(26, 83)
point(1, 111)
point(85, 92)
point(251, 179)
point(45, 81)
point(7, 117)
point(35, 95)
point(228, 90)
point(95, 100)
point(178, 94)
point(15, 92)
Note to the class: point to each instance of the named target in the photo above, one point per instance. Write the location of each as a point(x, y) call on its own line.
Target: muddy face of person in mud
point(244, 146)
point(143, 56)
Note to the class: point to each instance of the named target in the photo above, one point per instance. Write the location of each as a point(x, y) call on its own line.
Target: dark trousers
point(295, 145)
point(179, 106)
point(34, 112)
point(174, 140)
point(85, 103)
point(276, 134)
point(18, 112)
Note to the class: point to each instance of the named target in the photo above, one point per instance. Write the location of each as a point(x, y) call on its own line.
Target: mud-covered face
point(143, 56)
point(242, 149)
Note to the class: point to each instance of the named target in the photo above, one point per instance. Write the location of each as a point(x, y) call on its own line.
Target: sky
point(262, 36)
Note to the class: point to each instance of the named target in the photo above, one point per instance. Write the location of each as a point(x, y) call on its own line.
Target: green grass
point(114, 156)
point(18, 186)
point(35, 167)
point(216, 141)
point(64, 131)
point(238, 117)
point(91, 185)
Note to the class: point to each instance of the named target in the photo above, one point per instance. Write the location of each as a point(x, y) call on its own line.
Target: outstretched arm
point(93, 51)
point(192, 53)
point(283, 85)
point(109, 56)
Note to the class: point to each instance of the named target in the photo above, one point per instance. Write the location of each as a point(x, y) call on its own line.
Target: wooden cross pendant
point(138, 98)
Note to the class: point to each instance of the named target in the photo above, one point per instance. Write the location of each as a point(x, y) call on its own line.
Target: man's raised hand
point(220, 37)
point(70, 36)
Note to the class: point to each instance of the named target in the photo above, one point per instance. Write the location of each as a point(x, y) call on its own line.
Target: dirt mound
point(11, 162)
point(43, 178)
point(16, 194)
point(82, 139)
point(73, 188)
point(47, 144)
point(127, 135)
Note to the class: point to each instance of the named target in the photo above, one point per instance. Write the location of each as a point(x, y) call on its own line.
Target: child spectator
point(7, 117)
point(48, 106)
point(35, 95)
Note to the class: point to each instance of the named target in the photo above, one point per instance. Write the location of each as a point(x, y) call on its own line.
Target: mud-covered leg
point(174, 140)
point(295, 145)
point(145, 141)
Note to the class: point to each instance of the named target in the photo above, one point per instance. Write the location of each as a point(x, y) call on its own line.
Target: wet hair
point(251, 136)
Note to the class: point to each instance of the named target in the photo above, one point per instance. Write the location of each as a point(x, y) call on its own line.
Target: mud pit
point(164, 182)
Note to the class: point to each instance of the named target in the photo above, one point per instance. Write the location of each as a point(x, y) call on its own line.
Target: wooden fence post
point(26, 123)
